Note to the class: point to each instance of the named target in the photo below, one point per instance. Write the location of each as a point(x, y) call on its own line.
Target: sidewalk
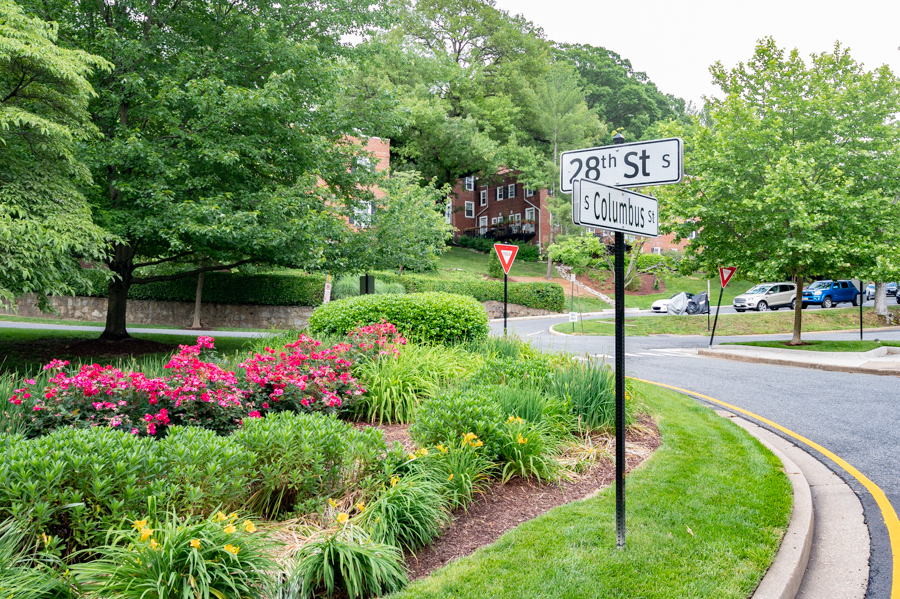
point(881, 361)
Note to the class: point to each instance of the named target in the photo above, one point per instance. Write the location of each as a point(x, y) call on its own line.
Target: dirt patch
point(45, 350)
point(393, 433)
point(504, 507)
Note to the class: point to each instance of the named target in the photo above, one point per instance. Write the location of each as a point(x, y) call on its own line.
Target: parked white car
point(767, 296)
point(662, 306)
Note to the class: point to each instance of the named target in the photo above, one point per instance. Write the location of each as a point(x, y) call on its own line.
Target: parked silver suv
point(767, 296)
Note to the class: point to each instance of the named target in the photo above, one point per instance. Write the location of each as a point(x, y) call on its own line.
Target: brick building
point(501, 209)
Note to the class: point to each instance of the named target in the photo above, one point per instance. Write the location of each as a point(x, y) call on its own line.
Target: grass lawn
point(477, 263)
point(830, 346)
point(704, 519)
point(25, 351)
point(763, 323)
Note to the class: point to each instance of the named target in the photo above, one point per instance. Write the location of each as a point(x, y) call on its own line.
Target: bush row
point(541, 296)
point(527, 252)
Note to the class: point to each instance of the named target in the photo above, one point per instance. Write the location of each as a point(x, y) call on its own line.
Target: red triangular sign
point(507, 254)
point(725, 274)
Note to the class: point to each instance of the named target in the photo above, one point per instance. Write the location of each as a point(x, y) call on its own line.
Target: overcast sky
point(676, 42)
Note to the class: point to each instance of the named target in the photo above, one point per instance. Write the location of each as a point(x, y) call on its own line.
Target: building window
point(529, 192)
point(469, 183)
point(529, 214)
point(495, 220)
point(448, 212)
point(499, 193)
point(362, 215)
point(511, 190)
point(482, 223)
point(482, 197)
point(656, 250)
point(518, 217)
point(693, 234)
point(470, 209)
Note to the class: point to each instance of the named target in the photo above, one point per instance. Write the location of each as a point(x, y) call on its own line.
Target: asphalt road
point(856, 416)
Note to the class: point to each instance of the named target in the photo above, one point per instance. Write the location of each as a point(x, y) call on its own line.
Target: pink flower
point(254, 414)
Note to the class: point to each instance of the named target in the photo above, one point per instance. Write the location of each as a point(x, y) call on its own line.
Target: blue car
point(830, 293)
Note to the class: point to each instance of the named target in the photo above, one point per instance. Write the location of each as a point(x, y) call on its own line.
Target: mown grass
point(825, 345)
point(704, 517)
point(764, 323)
point(477, 263)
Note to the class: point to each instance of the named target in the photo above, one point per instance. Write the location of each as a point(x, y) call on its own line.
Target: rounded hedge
point(424, 317)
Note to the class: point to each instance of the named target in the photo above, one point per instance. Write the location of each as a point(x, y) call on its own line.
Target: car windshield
point(759, 289)
point(820, 285)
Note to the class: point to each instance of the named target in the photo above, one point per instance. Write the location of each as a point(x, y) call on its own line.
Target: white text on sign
point(640, 164)
point(605, 207)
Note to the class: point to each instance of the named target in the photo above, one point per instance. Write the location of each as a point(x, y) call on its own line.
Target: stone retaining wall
point(174, 314)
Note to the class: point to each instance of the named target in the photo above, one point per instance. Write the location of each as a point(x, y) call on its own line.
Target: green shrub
point(525, 371)
point(527, 252)
point(74, 485)
point(349, 287)
point(306, 457)
point(449, 416)
point(409, 512)
point(205, 470)
point(270, 289)
point(541, 296)
point(590, 390)
point(495, 269)
point(179, 558)
point(395, 384)
point(425, 317)
point(348, 562)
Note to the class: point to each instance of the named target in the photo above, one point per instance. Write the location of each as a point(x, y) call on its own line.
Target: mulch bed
point(48, 349)
point(504, 507)
point(607, 285)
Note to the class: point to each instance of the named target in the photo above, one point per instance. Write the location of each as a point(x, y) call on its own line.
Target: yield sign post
point(507, 255)
point(725, 274)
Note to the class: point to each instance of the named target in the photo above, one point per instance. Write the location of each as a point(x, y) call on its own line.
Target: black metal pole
point(620, 390)
point(505, 279)
point(717, 317)
point(861, 300)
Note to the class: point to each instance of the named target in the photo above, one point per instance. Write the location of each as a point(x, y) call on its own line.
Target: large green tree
point(794, 175)
point(218, 135)
point(45, 222)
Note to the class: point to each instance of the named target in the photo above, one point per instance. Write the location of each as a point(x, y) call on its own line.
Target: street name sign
point(605, 207)
point(638, 164)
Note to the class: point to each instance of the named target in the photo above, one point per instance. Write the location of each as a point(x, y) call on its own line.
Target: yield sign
point(507, 254)
point(725, 274)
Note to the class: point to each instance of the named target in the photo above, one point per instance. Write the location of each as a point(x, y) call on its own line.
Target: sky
point(676, 42)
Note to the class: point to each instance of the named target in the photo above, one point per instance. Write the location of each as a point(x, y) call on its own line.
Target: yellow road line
point(887, 510)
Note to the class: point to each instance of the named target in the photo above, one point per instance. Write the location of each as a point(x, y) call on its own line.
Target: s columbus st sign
point(605, 207)
point(638, 164)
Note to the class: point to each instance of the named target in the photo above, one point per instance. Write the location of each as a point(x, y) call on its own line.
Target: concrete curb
point(785, 575)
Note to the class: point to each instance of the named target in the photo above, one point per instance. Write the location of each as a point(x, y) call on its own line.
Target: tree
point(795, 173)
point(408, 228)
point(623, 98)
point(45, 222)
point(218, 137)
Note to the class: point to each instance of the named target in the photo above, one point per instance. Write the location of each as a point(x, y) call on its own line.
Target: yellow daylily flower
point(220, 516)
point(230, 529)
point(360, 506)
point(146, 533)
point(232, 549)
point(249, 526)
point(139, 524)
point(343, 517)
point(195, 543)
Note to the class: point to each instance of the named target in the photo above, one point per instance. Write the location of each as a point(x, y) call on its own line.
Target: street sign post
point(639, 164)
point(596, 176)
point(507, 255)
point(725, 274)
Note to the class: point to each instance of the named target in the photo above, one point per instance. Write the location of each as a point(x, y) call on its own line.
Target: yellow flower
point(139, 524)
point(514, 419)
point(232, 549)
point(154, 544)
point(146, 533)
point(412, 456)
point(477, 444)
point(449, 478)
point(249, 526)
point(220, 517)
point(332, 503)
point(360, 506)
point(442, 449)
point(343, 517)
point(522, 440)
point(195, 543)
point(232, 516)
point(230, 529)
point(394, 480)
point(422, 452)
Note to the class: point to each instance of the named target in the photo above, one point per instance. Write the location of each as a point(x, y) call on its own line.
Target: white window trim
point(656, 250)
point(469, 210)
point(529, 192)
point(511, 190)
point(531, 211)
point(469, 183)
point(482, 197)
point(518, 217)
point(498, 194)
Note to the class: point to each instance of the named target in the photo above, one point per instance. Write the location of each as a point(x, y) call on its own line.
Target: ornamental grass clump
point(24, 575)
point(590, 390)
point(460, 468)
point(347, 561)
point(455, 412)
point(528, 451)
point(215, 557)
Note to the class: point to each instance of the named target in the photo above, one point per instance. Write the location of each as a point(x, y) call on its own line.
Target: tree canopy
point(45, 222)
point(794, 175)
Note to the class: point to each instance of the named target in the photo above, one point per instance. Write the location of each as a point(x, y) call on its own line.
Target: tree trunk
point(122, 264)
point(198, 299)
point(881, 308)
point(798, 312)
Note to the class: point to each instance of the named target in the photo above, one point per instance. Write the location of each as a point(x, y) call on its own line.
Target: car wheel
point(803, 306)
point(827, 303)
point(856, 301)
point(762, 307)
point(794, 305)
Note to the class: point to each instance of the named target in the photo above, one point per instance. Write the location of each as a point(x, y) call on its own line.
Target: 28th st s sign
point(638, 164)
point(605, 207)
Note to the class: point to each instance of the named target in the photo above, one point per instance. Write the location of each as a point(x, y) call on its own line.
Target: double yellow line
point(887, 510)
